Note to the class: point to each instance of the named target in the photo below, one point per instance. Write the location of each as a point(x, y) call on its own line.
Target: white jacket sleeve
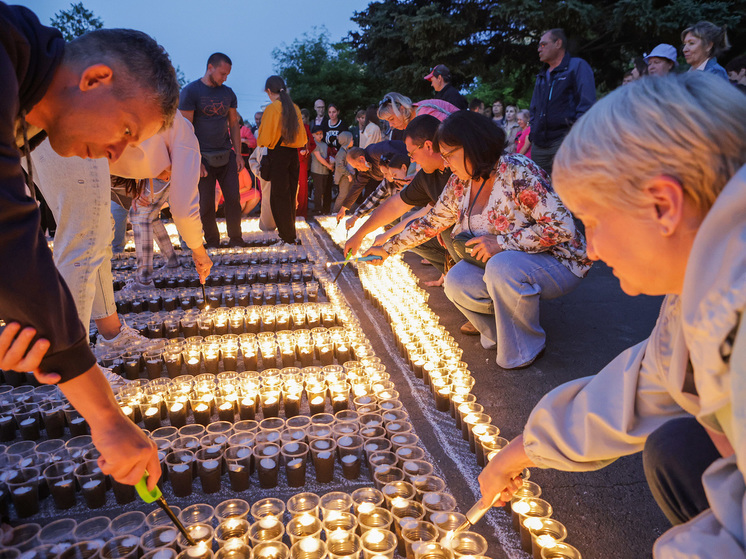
point(184, 194)
point(588, 423)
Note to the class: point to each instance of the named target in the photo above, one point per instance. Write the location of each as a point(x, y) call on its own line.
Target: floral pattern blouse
point(523, 212)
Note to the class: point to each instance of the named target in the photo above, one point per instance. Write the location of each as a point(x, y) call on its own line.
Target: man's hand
point(377, 251)
point(17, 353)
point(500, 478)
point(353, 244)
point(350, 223)
point(202, 170)
point(202, 262)
point(483, 248)
point(340, 214)
point(240, 163)
point(125, 451)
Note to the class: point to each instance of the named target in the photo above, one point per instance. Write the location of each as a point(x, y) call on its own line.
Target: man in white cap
point(661, 60)
point(440, 78)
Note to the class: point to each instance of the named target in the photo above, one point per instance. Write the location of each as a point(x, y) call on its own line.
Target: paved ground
point(609, 513)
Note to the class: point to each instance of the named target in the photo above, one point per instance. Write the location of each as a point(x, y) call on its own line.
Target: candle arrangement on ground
point(267, 388)
point(434, 357)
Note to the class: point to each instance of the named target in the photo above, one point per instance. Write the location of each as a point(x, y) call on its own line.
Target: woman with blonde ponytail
point(282, 133)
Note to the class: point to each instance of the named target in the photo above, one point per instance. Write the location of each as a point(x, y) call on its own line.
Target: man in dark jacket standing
point(93, 97)
point(440, 78)
point(565, 89)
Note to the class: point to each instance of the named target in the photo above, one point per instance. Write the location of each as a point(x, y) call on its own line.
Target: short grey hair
point(140, 64)
point(524, 114)
point(691, 127)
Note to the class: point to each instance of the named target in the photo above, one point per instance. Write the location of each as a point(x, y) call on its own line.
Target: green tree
point(313, 68)
point(76, 21)
point(495, 42)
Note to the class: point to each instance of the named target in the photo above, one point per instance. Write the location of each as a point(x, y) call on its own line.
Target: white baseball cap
point(663, 51)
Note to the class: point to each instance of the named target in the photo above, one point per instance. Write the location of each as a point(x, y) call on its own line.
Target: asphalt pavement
point(609, 513)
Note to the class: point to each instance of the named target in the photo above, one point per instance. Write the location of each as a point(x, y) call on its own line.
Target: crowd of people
point(654, 170)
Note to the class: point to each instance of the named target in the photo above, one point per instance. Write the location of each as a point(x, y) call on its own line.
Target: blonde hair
point(690, 127)
point(396, 104)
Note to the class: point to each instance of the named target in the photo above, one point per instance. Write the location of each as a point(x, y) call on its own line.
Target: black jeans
point(675, 457)
point(284, 178)
point(322, 193)
point(227, 176)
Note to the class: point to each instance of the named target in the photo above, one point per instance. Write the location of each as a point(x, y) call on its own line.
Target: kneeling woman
point(521, 238)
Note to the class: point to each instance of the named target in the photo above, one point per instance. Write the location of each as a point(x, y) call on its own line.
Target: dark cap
point(439, 70)
point(316, 128)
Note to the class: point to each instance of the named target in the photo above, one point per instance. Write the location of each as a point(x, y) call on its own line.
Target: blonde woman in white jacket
point(656, 171)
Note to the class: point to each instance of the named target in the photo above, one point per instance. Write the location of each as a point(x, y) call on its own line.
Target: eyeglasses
point(447, 156)
point(411, 153)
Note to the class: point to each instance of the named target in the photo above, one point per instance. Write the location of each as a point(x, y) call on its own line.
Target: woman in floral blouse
point(520, 230)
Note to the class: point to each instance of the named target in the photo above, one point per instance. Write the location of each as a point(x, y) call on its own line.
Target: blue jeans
point(120, 227)
point(502, 300)
point(78, 192)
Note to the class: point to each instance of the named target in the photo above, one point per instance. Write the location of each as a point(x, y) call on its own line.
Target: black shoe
point(212, 245)
point(237, 243)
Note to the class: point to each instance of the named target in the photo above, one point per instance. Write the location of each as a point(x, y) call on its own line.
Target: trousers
point(78, 192)
point(146, 225)
point(284, 179)
point(227, 176)
point(674, 458)
point(502, 300)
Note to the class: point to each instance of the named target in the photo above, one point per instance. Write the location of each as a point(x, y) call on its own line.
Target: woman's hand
point(483, 248)
point(500, 478)
point(377, 251)
point(17, 353)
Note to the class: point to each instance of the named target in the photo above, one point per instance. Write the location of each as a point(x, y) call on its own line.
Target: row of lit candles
point(394, 288)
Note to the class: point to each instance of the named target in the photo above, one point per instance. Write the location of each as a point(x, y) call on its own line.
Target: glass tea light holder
point(232, 531)
point(465, 543)
point(339, 521)
point(267, 507)
point(413, 531)
point(530, 507)
point(308, 548)
point(303, 526)
point(487, 438)
point(561, 550)
point(303, 503)
point(295, 457)
point(437, 502)
point(378, 543)
point(430, 550)
point(270, 550)
point(234, 550)
point(266, 529)
point(232, 508)
point(238, 461)
point(545, 533)
point(527, 489)
point(366, 496)
point(343, 545)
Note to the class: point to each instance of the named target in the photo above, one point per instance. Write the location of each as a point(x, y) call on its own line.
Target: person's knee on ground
point(674, 458)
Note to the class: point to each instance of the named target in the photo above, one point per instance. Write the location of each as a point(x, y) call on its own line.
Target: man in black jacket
point(93, 97)
point(440, 78)
point(565, 89)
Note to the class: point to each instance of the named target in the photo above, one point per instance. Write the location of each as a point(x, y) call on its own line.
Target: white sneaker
point(134, 286)
point(127, 339)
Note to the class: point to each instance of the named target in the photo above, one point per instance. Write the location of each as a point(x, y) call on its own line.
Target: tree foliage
point(76, 21)
point(491, 46)
point(313, 68)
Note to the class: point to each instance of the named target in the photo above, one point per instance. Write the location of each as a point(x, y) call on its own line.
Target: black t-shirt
point(332, 131)
point(210, 106)
point(425, 188)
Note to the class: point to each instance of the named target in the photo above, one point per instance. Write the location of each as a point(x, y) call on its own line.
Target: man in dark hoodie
point(93, 97)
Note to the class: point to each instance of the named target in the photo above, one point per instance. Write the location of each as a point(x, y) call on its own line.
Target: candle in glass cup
point(545, 533)
point(379, 543)
point(530, 507)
